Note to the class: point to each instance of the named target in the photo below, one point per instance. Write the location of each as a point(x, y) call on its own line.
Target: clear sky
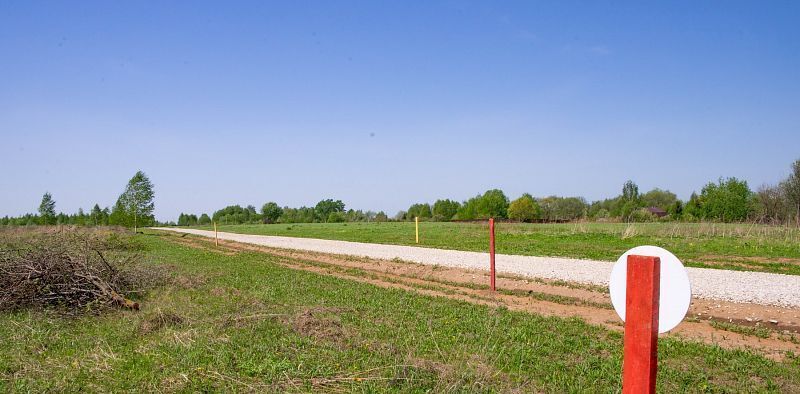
point(386, 103)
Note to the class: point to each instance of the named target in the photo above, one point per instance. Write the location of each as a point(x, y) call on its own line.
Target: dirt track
point(730, 325)
point(712, 284)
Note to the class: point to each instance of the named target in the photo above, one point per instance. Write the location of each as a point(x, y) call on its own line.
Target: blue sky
point(382, 104)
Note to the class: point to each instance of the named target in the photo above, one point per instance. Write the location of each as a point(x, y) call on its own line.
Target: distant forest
point(725, 200)
point(134, 208)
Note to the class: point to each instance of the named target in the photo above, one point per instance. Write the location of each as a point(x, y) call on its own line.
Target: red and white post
point(491, 254)
point(640, 363)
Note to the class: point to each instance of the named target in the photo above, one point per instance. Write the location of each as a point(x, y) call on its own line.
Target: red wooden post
point(491, 253)
point(641, 325)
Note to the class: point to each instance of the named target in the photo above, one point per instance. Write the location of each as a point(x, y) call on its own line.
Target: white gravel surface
point(735, 286)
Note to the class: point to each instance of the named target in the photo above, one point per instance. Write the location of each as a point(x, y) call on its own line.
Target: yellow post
point(416, 223)
point(216, 238)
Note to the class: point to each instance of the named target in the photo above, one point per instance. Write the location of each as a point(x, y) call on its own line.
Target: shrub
point(602, 214)
point(524, 209)
point(728, 200)
point(335, 217)
point(642, 215)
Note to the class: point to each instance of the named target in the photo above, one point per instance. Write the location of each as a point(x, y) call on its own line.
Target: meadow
point(739, 246)
point(244, 322)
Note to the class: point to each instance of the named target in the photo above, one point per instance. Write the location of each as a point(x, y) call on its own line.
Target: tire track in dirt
point(543, 297)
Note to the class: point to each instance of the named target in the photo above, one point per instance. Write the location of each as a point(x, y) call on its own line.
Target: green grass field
point(242, 323)
point(728, 246)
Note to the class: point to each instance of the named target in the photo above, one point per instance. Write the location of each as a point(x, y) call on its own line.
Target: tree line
point(133, 208)
point(326, 211)
point(725, 200)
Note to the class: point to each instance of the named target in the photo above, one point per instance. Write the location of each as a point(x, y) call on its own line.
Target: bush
point(728, 200)
point(642, 215)
point(524, 209)
point(335, 217)
point(563, 208)
point(602, 214)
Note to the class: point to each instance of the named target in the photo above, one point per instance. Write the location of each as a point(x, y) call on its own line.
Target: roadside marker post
point(416, 226)
point(651, 293)
point(491, 255)
point(216, 237)
point(640, 360)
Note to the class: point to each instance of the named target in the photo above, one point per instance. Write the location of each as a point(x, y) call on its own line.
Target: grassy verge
point(727, 246)
point(243, 323)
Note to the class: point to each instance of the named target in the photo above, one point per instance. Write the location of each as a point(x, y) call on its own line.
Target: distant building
point(658, 212)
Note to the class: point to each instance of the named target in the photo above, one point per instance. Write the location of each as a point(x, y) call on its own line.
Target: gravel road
point(735, 286)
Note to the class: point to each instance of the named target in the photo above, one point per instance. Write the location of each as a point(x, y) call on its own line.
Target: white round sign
point(675, 290)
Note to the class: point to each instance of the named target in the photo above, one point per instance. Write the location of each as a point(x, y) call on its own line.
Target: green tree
point(728, 200)
point(571, 208)
point(628, 208)
point(445, 209)
point(381, 217)
point(137, 200)
point(118, 216)
point(232, 214)
point(629, 201)
point(556, 208)
point(604, 208)
point(270, 212)
point(105, 216)
point(324, 208)
point(630, 191)
point(96, 215)
point(493, 204)
point(791, 188)
point(469, 209)
point(47, 209)
point(524, 209)
point(204, 219)
point(693, 210)
point(658, 198)
point(335, 217)
point(80, 218)
point(675, 210)
point(422, 211)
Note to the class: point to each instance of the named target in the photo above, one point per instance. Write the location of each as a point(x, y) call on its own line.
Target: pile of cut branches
point(79, 270)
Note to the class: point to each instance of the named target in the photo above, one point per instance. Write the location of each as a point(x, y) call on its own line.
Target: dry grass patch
point(159, 320)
